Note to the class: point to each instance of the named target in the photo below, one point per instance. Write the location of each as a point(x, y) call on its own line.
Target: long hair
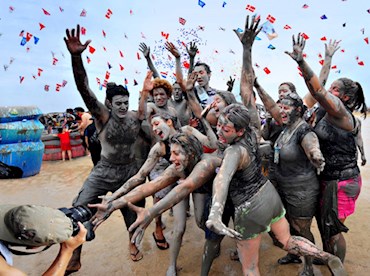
point(354, 91)
point(297, 102)
point(227, 96)
point(189, 143)
point(291, 86)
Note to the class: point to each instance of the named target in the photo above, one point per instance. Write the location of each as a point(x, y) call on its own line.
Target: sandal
point(136, 256)
point(158, 242)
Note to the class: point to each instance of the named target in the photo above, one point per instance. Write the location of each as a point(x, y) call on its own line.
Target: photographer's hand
point(59, 266)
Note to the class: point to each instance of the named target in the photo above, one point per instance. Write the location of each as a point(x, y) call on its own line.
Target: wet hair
point(354, 91)
point(79, 109)
point(296, 100)
point(161, 83)
point(238, 114)
point(189, 143)
point(290, 85)
point(205, 65)
point(165, 116)
point(227, 96)
point(114, 90)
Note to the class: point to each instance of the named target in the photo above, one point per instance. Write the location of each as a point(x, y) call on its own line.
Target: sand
point(58, 182)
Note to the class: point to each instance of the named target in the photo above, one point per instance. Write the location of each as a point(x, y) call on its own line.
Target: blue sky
point(132, 22)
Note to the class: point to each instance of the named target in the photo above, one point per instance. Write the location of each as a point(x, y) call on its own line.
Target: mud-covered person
point(117, 129)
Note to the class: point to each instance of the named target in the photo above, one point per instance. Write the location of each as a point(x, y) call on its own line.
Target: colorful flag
point(91, 49)
point(267, 71)
point(108, 14)
point(107, 75)
point(361, 63)
point(138, 56)
point(366, 40)
point(45, 12)
point(271, 18)
point(164, 74)
point(323, 17)
point(35, 39)
point(321, 61)
point(121, 67)
point(41, 26)
point(135, 82)
point(182, 21)
point(287, 27)
point(250, 8)
point(323, 38)
point(88, 59)
point(83, 30)
point(55, 60)
point(305, 36)
point(271, 47)
point(109, 66)
point(46, 87)
point(121, 54)
point(21, 78)
point(39, 71)
point(224, 4)
point(305, 6)
point(201, 3)
point(165, 35)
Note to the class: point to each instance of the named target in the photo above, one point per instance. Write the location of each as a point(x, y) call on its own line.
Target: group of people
point(198, 140)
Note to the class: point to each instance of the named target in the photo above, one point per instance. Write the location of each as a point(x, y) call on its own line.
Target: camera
point(80, 214)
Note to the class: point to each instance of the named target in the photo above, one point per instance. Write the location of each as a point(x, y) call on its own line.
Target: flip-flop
point(134, 256)
point(158, 241)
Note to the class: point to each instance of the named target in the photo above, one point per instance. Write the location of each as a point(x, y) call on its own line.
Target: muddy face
point(120, 106)
point(160, 97)
point(203, 76)
point(177, 92)
point(161, 128)
point(179, 157)
point(226, 131)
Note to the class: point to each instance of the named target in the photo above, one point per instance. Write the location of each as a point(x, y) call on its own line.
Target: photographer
point(32, 226)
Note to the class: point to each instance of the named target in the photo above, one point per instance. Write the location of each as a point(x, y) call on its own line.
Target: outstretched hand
point(298, 46)
point(192, 50)
point(104, 210)
point(250, 32)
point(192, 78)
point(144, 49)
point(172, 49)
point(148, 84)
point(317, 159)
point(74, 45)
point(218, 227)
point(142, 221)
point(331, 48)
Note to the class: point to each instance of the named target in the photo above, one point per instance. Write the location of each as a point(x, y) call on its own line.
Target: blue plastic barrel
point(20, 138)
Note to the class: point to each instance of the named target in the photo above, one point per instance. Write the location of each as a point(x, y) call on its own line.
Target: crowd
point(189, 138)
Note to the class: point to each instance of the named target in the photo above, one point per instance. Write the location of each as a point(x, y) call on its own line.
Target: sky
point(39, 72)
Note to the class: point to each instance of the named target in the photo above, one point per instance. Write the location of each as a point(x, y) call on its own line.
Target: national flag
point(55, 60)
point(323, 17)
point(41, 26)
point(182, 21)
point(91, 49)
point(83, 30)
point(334, 67)
point(121, 67)
point(361, 63)
point(323, 38)
point(46, 87)
point(165, 35)
point(23, 41)
point(39, 71)
point(201, 3)
point(271, 18)
point(28, 36)
point(126, 81)
point(88, 59)
point(287, 27)
point(35, 39)
point(98, 81)
point(21, 33)
point(164, 74)
point(57, 88)
point(108, 14)
point(45, 12)
point(267, 71)
point(250, 8)
point(107, 75)
point(305, 36)
point(83, 13)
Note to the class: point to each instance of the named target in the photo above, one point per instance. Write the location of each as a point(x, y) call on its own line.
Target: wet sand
point(58, 182)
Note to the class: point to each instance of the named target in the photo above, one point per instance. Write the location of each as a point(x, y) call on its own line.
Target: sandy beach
point(58, 183)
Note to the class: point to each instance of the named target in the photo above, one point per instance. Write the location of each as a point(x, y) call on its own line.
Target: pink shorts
point(348, 192)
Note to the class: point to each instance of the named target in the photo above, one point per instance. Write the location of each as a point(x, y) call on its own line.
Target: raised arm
point(76, 48)
point(330, 50)
point(144, 93)
point(269, 103)
point(334, 107)
point(230, 84)
point(247, 38)
point(192, 52)
point(146, 52)
point(173, 50)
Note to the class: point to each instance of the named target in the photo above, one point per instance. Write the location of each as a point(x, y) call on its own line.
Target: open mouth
point(159, 133)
